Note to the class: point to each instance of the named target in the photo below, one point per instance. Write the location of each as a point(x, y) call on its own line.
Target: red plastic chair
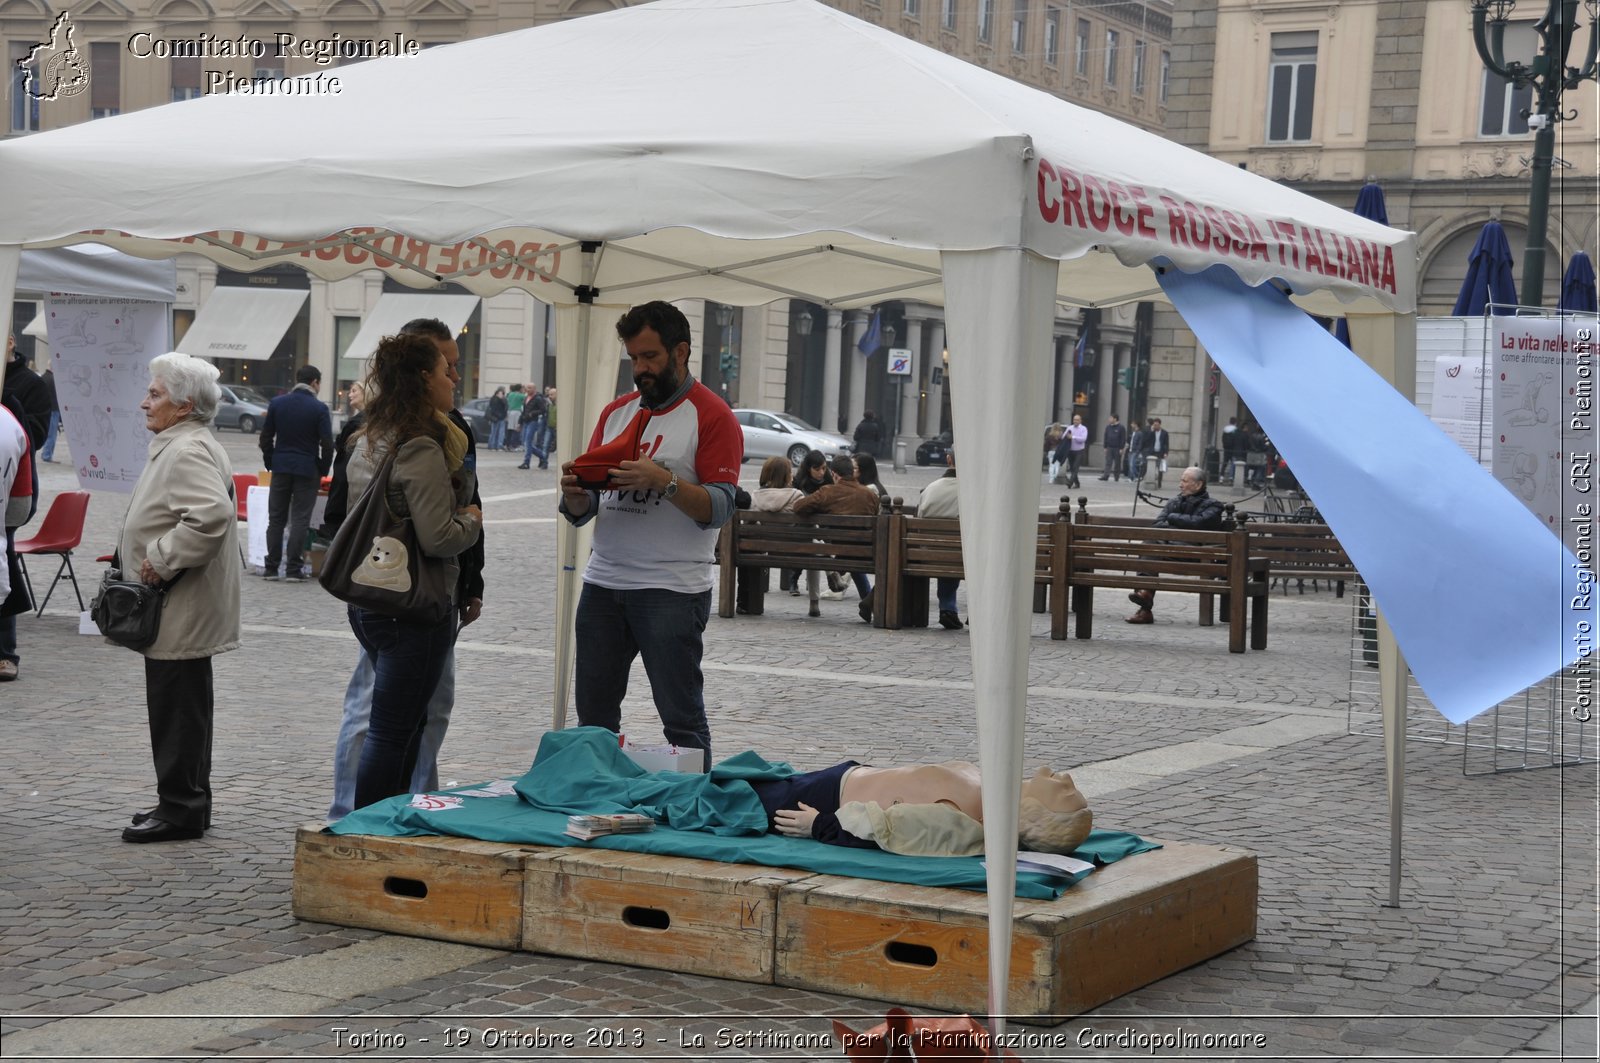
point(60, 534)
point(242, 482)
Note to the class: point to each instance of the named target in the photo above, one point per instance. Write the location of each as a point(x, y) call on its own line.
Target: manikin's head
point(1053, 817)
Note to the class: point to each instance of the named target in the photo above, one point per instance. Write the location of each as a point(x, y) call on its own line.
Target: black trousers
point(290, 500)
point(178, 696)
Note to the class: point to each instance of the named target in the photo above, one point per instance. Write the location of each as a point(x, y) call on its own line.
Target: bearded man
point(668, 458)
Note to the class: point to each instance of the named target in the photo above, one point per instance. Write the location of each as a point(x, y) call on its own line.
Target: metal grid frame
point(1550, 725)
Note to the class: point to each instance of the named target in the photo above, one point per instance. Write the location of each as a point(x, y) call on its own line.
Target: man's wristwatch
point(672, 487)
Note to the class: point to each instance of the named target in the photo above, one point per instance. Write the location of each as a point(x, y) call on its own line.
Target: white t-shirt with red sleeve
point(642, 540)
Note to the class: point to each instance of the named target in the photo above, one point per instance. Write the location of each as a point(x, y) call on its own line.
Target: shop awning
point(242, 322)
point(394, 309)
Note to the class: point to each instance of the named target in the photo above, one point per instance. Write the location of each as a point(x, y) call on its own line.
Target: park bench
point(757, 541)
point(1300, 551)
point(921, 549)
point(1122, 556)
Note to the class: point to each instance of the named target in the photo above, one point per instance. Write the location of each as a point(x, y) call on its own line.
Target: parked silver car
point(241, 407)
point(769, 434)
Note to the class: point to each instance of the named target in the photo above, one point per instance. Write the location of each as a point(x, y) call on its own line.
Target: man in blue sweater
point(297, 446)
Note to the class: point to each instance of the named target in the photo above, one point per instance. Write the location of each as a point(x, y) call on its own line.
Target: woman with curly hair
point(410, 391)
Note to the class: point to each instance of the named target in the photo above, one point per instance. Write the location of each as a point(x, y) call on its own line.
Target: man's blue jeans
point(407, 661)
point(531, 437)
point(497, 435)
point(48, 451)
point(353, 734)
point(666, 629)
point(946, 591)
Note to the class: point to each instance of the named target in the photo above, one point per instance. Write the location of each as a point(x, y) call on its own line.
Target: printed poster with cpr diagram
point(100, 350)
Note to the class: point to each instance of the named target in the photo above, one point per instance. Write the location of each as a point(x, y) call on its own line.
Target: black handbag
point(375, 562)
point(128, 612)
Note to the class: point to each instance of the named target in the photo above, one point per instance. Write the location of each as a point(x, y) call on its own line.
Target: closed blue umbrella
point(1369, 204)
point(1577, 286)
point(1488, 274)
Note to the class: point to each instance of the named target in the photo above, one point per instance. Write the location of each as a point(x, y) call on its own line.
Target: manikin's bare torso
point(954, 782)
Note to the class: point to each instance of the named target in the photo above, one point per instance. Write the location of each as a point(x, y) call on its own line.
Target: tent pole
point(1388, 343)
point(1000, 308)
point(572, 370)
point(1392, 675)
point(10, 262)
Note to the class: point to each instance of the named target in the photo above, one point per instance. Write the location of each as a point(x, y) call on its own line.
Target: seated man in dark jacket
point(1192, 508)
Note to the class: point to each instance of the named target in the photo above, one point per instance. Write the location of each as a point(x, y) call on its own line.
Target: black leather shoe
point(949, 620)
point(865, 609)
point(159, 830)
point(140, 817)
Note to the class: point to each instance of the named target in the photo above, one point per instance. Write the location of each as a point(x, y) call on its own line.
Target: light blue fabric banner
point(1484, 600)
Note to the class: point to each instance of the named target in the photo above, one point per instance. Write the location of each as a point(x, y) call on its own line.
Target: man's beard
point(657, 389)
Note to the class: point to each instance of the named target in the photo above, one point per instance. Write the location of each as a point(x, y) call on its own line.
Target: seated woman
point(919, 809)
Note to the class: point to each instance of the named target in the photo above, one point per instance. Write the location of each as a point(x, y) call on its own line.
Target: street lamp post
point(726, 362)
point(1549, 76)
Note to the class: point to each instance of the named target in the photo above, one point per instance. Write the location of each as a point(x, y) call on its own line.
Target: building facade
point(1328, 96)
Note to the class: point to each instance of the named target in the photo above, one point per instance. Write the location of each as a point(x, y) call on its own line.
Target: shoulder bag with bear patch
point(375, 562)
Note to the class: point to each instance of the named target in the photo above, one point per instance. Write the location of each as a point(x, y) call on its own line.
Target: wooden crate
point(1122, 927)
point(673, 913)
point(450, 889)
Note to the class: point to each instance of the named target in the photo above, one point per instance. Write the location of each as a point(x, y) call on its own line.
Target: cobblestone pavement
point(189, 951)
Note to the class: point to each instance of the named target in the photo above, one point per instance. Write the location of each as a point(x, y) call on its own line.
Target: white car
point(770, 434)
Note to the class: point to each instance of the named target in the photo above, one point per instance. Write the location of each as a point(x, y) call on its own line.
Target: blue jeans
point(48, 451)
point(497, 434)
point(353, 734)
point(946, 591)
point(531, 437)
point(863, 584)
point(666, 629)
point(290, 500)
point(407, 661)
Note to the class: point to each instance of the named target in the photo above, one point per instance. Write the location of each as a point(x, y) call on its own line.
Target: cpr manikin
point(920, 809)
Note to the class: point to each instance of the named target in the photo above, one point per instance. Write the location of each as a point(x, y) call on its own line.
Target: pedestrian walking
point(297, 447)
point(48, 451)
point(1114, 440)
point(497, 412)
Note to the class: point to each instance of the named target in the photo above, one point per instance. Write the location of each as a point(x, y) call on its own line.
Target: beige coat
point(183, 519)
point(424, 489)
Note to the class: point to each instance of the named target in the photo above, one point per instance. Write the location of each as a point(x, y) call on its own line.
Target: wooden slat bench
point(1300, 552)
point(1164, 560)
point(927, 548)
point(755, 541)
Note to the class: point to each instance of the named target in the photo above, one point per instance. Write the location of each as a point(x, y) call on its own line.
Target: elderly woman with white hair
point(180, 527)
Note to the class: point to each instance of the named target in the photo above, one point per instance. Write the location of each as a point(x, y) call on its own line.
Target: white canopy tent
point(91, 269)
point(94, 269)
point(740, 152)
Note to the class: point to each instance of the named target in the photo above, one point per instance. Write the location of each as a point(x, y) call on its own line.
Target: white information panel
point(100, 350)
point(1544, 424)
point(1459, 401)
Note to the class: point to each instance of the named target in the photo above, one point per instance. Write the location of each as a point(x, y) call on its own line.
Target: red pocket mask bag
point(593, 467)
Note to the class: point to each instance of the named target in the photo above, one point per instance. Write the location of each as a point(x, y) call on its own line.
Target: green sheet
point(710, 817)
